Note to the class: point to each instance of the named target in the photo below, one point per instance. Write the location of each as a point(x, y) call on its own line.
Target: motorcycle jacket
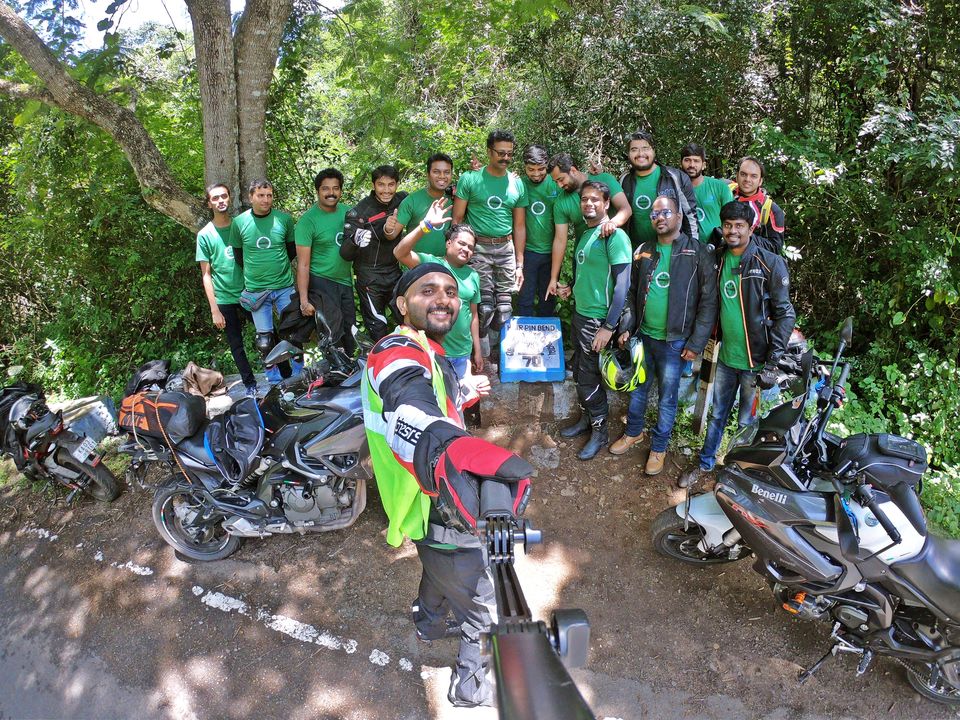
point(692, 297)
point(365, 243)
point(769, 222)
point(409, 390)
point(768, 315)
point(678, 183)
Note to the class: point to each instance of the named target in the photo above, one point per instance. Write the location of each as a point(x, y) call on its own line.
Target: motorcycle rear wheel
point(101, 483)
point(174, 509)
point(671, 539)
point(942, 692)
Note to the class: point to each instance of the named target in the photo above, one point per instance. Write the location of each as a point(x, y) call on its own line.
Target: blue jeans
point(536, 278)
point(276, 301)
point(460, 365)
point(660, 358)
point(727, 384)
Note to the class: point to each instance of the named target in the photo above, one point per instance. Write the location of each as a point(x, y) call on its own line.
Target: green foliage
point(853, 105)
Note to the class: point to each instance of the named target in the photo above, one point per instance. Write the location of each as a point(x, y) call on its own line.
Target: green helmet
point(622, 369)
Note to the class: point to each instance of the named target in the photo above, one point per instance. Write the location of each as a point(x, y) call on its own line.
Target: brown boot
point(655, 463)
point(619, 447)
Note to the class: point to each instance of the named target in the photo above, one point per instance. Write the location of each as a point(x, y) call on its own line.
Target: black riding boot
point(579, 427)
point(599, 438)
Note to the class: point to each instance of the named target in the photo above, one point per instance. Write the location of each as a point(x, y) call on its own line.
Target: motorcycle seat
point(42, 426)
point(935, 572)
point(195, 448)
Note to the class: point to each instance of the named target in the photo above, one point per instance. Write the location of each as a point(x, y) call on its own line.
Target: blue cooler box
point(531, 350)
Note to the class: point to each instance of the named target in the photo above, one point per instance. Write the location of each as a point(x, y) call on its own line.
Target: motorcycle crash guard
point(235, 438)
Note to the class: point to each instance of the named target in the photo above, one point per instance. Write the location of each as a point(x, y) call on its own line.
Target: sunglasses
point(665, 214)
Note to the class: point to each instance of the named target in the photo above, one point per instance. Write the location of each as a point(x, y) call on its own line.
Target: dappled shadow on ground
point(317, 626)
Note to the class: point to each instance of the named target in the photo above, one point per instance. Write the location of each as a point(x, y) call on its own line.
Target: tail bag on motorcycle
point(177, 415)
point(234, 439)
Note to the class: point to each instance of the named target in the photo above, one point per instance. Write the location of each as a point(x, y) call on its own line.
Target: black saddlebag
point(235, 439)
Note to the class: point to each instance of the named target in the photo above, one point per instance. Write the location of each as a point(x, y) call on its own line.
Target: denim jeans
point(460, 365)
point(727, 384)
point(536, 278)
point(263, 321)
point(660, 359)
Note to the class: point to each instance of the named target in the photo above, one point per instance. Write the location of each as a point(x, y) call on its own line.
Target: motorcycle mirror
point(281, 353)
point(846, 332)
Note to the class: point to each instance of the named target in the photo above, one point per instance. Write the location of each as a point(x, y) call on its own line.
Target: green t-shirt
point(213, 246)
point(594, 257)
point(712, 194)
point(459, 341)
point(491, 200)
point(644, 193)
point(263, 241)
point(412, 211)
point(322, 231)
point(542, 197)
point(566, 211)
point(655, 308)
point(733, 348)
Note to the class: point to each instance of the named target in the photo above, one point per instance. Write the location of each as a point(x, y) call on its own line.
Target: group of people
point(665, 255)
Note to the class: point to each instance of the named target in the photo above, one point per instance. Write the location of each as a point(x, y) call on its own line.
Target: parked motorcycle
point(297, 461)
point(43, 448)
point(837, 531)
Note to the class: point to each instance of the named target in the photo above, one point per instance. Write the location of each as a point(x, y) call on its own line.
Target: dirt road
point(100, 620)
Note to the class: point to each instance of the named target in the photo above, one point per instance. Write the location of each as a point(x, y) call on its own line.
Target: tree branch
point(22, 91)
point(158, 186)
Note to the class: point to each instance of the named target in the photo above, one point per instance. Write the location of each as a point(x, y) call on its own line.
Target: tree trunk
point(158, 185)
point(256, 47)
point(213, 43)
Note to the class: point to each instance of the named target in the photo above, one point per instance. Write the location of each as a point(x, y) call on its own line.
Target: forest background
point(854, 105)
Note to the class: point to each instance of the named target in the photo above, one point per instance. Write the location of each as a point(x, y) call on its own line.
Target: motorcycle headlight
point(743, 436)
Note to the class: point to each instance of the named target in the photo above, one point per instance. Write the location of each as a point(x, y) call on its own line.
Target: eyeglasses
point(504, 154)
point(665, 214)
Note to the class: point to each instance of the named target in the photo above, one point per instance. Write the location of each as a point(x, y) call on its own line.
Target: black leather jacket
point(692, 298)
point(765, 293)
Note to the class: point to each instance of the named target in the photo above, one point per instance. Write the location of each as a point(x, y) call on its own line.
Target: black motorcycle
point(297, 461)
point(837, 531)
point(43, 448)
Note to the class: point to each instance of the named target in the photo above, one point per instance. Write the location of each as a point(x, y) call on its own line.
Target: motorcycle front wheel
point(939, 691)
point(178, 515)
point(671, 539)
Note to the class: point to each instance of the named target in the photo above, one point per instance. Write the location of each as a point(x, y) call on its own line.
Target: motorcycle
point(43, 448)
point(837, 530)
point(297, 461)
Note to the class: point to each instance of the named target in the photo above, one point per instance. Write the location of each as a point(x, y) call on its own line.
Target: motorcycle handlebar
point(869, 501)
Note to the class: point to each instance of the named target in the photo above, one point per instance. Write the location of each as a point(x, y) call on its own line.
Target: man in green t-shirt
point(711, 193)
point(263, 243)
point(646, 180)
point(542, 192)
point(599, 293)
point(672, 308)
point(568, 218)
point(462, 343)
point(223, 279)
point(756, 319)
point(323, 275)
point(493, 201)
point(414, 207)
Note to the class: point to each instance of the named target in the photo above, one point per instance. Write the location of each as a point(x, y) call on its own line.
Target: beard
point(436, 328)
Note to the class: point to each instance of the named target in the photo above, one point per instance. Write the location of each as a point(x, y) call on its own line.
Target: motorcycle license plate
point(84, 449)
